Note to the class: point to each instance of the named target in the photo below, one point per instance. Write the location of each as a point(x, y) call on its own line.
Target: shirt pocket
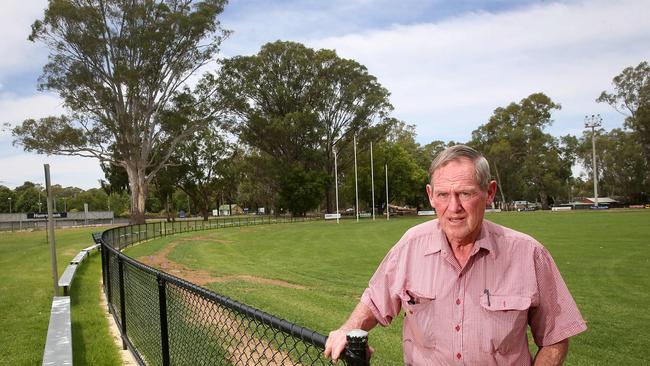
point(505, 320)
point(419, 311)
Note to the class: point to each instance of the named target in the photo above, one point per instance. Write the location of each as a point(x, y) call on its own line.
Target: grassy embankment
point(26, 298)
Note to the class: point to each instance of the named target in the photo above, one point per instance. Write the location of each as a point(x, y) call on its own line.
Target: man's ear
point(491, 191)
point(430, 194)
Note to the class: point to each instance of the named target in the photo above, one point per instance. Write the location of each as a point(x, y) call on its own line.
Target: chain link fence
point(166, 320)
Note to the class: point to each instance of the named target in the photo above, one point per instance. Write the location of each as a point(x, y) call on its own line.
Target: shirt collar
point(485, 240)
point(438, 238)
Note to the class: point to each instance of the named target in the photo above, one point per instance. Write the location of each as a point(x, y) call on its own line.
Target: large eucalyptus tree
point(117, 64)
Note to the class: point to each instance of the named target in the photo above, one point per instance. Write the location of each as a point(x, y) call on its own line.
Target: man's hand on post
point(361, 318)
point(336, 342)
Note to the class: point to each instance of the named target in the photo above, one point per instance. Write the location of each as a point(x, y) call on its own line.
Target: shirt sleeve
point(380, 297)
point(556, 317)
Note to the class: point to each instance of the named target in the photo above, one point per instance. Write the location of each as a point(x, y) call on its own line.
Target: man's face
point(459, 200)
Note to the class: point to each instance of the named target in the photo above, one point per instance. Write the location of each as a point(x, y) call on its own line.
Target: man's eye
point(441, 195)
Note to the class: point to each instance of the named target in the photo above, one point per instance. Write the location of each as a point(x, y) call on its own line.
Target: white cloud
point(64, 170)
point(447, 77)
point(16, 19)
point(15, 109)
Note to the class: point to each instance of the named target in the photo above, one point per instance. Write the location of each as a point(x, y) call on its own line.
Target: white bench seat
point(58, 345)
point(79, 257)
point(66, 278)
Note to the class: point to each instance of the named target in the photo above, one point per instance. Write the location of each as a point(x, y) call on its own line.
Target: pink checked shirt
point(477, 315)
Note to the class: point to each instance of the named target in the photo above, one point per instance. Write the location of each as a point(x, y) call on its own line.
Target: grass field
point(320, 269)
point(26, 299)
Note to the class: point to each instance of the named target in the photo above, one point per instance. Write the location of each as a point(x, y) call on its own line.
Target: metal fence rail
point(166, 320)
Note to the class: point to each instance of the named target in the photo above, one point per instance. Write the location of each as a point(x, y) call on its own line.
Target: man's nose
point(454, 203)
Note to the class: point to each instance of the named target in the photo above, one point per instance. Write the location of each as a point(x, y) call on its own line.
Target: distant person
point(468, 287)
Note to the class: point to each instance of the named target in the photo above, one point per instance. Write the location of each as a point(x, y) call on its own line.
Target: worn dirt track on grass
point(201, 277)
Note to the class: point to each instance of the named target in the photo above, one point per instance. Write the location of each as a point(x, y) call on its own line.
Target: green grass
point(603, 257)
point(26, 297)
point(92, 345)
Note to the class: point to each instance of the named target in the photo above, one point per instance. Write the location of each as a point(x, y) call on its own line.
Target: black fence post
point(164, 333)
point(120, 269)
point(103, 254)
point(109, 283)
point(356, 353)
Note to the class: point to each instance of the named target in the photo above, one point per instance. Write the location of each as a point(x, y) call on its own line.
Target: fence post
point(356, 353)
point(109, 283)
point(103, 253)
point(120, 269)
point(164, 333)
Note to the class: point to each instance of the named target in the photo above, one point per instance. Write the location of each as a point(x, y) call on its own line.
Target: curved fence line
point(166, 320)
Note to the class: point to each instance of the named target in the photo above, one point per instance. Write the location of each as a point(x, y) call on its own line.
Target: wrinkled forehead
point(455, 173)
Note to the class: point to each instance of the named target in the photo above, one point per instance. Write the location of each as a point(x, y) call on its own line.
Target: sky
point(447, 64)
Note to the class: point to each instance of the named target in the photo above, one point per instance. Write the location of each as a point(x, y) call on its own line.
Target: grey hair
point(457, 152)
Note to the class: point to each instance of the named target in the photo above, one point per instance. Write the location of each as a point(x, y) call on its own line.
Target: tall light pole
point(372, 181)
point(356, 184)
point(592, 122)
point(336, 187)
point(9, 198)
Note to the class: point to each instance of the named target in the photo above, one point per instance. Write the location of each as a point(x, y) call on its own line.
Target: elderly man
point(468, 287)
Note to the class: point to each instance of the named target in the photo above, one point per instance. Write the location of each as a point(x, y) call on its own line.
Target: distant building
point(601, 200)
point(224, 210)
point(525, 206)
point(588, 202)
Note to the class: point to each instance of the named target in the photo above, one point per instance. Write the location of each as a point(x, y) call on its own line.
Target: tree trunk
point(205, 207)
point(503, 197)
point(138, 186)
point(544, 198)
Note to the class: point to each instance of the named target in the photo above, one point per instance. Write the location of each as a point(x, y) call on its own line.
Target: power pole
point(592, 122)
point(50, 229)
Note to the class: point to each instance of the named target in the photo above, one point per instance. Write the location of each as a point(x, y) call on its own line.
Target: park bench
point(66, 278)
point(79, 257)
point(58, 345)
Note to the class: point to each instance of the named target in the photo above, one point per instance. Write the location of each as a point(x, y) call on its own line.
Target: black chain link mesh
point(202, 327)
point(142, 313)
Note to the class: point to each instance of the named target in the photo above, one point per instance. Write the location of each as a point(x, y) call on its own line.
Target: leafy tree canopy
point(116, 65)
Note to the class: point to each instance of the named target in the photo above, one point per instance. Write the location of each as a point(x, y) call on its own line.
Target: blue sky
point(447, 64)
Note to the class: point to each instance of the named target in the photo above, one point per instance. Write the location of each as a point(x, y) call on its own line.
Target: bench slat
point(66, 278)
point(79, 257)
point(92, 247)
point(58, 346)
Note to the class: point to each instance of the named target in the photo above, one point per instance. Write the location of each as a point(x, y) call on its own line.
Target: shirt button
point(458, 303)
point(458, 356)
point(457, 328)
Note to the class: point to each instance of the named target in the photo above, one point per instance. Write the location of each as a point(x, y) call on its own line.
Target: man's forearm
point(361, 318)
point(552, 355)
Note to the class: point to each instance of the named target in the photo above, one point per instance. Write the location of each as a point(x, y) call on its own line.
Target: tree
point(6, 195)
point(203, 161)
point(302, 190)
point(631, 97)
point(27, 200)
point(527, 163)
point(116, 65)
point(407, 171)
point(621, 168)
point(297, 104)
